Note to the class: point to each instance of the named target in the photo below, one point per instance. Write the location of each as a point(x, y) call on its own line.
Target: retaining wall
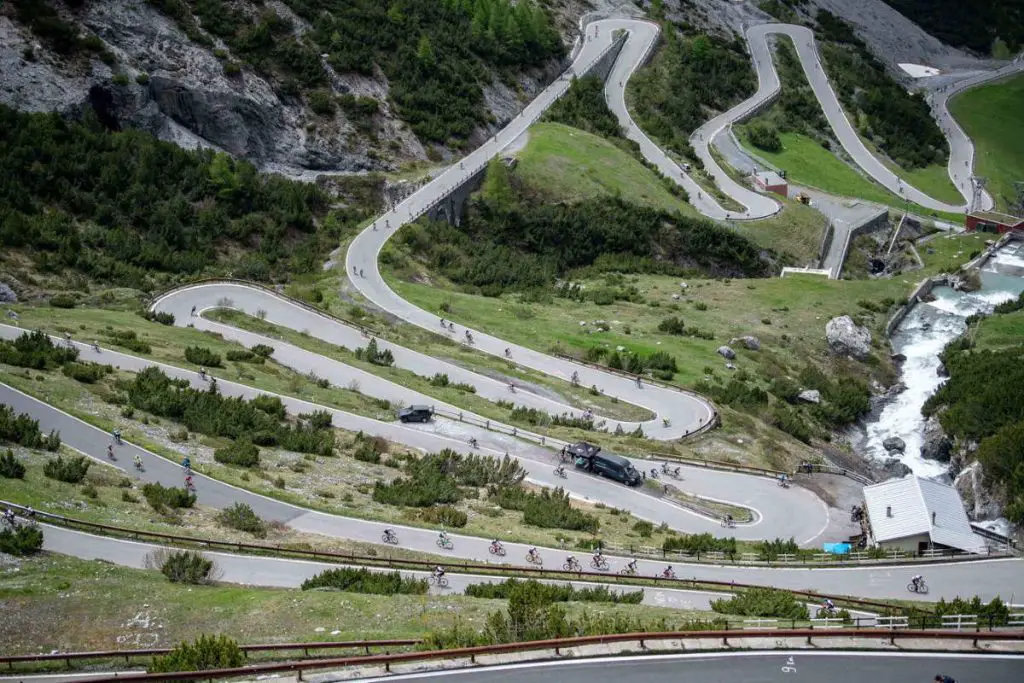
point(922, 290)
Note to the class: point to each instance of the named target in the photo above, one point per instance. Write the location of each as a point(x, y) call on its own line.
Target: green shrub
point(547, 509)
point(128, 339)
point(263, 350)
point(553, 592)
point(36, 351)
point(372, 354)
point(352, 580)
point(240, 453)
point(243, 356)
point(71, 471)
point(207, 652)
point(142, 79)
point(26, 539)
point(322, 103)
point(764, 136)
point(10, 466)
point(243, 518)
point(644, 528)
point(700, 543)
point(63, 300)
point(161, 497)
point(200, 355)
point(444, 515)
point(232, 68)
point(86, 373)
point(187, 566)
point(762, 602)
point(161, 317)
point(120, 79)
point(770, 550)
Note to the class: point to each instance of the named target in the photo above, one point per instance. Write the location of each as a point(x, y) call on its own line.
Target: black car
point(416, 414)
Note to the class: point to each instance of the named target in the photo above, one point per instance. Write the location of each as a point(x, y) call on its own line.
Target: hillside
point(320, 84)
point(975, 25)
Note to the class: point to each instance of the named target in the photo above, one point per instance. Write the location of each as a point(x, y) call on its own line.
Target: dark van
point(415, 414)
point(590, 458)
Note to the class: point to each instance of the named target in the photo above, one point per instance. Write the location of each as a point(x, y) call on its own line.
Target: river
point(921, 337)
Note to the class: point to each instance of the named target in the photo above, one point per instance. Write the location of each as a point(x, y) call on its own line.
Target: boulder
point(7, 295)
point(935, 445)
point(846, 338)
point(898, 358)
point(809, 396)
point(749, 342)
point(978, 501)
point(894, 443)
point(894, 469)
point(726, 352)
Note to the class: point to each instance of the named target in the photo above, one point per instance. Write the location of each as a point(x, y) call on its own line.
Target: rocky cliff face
point(190, 100)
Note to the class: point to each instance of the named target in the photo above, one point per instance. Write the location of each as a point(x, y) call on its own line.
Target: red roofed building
point(992, 221)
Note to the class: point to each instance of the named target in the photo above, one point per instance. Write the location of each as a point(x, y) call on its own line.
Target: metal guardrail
point(423, 565)
point(557, 646)
point(128, 655)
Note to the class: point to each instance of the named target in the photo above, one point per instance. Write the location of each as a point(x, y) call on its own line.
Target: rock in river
point(846, 338)
point(894, 443)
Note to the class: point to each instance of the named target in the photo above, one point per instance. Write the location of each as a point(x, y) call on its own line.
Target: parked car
point(416, 414)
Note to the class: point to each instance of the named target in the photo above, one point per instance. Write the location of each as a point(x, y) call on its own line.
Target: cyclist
point(95, 346)
point(639, 383)
point(783, 480)
point(438, 573)
point(917, 581)
point(67, 338)
point(389, 535)
point(193, 311)
point(598, 557)
point(361, 273)
point(443, 537)
point(631, 566)
point(496, 546)
point(442, 323)
point(828, 606)
point(187, 464)
point(138, 461)
point(110, 451)
point(512, 387)
point(575, 377)
point(117, 436)
point(560, 471)
point(508, 353)
point(473, 442)
point(9, 516)
point(668, 573)
point(533, 555)
point(571, 561)
point(202, 373)
point(188, 482)
point(729, 521)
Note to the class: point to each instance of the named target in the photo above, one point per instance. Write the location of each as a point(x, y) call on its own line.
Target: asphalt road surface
point(797, 666)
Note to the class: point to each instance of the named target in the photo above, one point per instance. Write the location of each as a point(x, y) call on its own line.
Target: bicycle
point(729, 523)
point(439, 581)
point(627, 571)
point(667, 574)
point(573, 566)
point(534, 558)
point(599, 563)
point(920, 588)
point(560, 472)
point(497, 549)
point(389, 537)
point(445, 543)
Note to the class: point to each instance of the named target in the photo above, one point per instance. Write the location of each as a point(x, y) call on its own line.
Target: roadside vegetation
point(983, 26)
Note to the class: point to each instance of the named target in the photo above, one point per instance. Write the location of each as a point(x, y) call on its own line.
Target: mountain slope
point(323, 84)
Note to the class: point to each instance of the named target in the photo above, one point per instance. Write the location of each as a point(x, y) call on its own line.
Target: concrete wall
point(603, 66)
point(922, 290)
point(877, 222)
point(909, 544)
point(826, 243)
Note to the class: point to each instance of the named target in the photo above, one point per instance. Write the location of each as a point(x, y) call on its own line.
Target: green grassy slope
point(993, 116)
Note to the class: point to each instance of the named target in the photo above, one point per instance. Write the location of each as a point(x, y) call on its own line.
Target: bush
point(142, 79)
point(161, 497)
point(322, 103)
point(700, 543)
point(86, 373)
point(10, 466)
point(120, 79)
point(372, 354)
point(128, 339)
point(263, 350)
point(36, 351)
point(63, 300)
point(187, 566)
point(23, 540)
point(208, 652)
point(547, 509)
point(553, 592)
point(240, 453)
point(762, 602)
point(200, 355)
point(764, 136)
point(770, 550)
point(444, 515)
point(352, 580)
point(243, 356)
point(71, 471)
point(23, 430)
point(243, 518)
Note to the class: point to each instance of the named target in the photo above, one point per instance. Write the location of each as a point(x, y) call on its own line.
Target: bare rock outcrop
point(846, 338)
